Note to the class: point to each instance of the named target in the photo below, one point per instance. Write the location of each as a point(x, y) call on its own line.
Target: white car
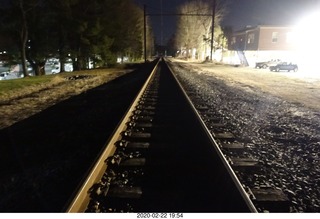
point(3, 75)
point(8, 75)
point(56, 70)
point(67, 67)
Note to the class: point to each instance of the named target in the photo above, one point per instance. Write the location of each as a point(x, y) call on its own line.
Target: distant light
point(306, 37)
point(308, 31)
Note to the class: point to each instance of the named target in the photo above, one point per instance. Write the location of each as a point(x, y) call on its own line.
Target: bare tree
point(195, 23)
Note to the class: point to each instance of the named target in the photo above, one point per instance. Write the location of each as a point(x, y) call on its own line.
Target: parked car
point(3, 75)
point(267, 64)
point(56, 70)
point(284, 66)
point(68, 67)
point(8, 75)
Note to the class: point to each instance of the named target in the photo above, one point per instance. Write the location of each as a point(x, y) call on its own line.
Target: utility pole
point(161, 41)
point(145, 33)
point(212, 28)
point(161, 14)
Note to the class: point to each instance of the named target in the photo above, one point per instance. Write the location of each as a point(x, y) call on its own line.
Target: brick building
point(264, 43)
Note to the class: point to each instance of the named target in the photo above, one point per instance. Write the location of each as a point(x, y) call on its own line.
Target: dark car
point(284, 66)
point(267, 64)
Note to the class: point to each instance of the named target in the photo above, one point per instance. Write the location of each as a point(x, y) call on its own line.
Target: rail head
point(217, 148)
point(81, 200)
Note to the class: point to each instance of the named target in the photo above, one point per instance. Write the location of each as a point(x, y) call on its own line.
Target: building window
point(250, 38)
point(274, 37)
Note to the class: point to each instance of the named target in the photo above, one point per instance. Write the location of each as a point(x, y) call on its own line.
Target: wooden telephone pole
point(212, 28)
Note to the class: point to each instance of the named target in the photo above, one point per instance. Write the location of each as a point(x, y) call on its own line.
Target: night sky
point(240, 13)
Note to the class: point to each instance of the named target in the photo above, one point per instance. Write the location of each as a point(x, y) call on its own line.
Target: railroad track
point(162, 158)
point(235, 147)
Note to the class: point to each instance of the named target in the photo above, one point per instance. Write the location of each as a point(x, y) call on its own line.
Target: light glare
point(306, 37)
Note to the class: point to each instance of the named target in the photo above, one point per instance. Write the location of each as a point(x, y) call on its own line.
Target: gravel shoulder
point(275, 116)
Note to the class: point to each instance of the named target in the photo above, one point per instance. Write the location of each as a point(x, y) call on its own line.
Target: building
point(264, 43)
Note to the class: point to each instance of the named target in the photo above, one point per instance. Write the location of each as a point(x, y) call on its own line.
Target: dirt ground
point(23, 103)
point(296, 87)
point(289, 102)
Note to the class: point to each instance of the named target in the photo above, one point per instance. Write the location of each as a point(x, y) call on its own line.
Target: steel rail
point(219, 152)
point(81, 199)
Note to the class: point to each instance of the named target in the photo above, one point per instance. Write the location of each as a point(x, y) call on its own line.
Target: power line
point(178, 14)
point(182, 14)
point(161, 40)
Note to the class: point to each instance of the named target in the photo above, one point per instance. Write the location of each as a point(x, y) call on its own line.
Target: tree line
point(79, 30)
point(194, 28)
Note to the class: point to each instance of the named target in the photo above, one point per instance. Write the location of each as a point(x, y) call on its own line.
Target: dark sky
point(240, 13)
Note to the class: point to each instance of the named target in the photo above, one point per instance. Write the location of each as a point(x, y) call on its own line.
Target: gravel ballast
point(278, 126)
